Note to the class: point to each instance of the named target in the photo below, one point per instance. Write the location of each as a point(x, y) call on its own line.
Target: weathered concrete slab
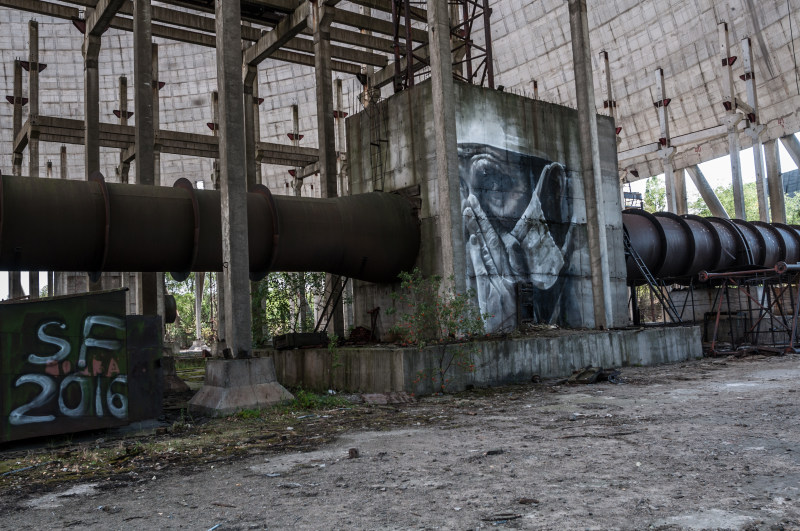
point(234, 385)
point(497, 362)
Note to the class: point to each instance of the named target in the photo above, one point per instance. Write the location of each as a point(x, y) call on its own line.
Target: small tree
point(432, 315)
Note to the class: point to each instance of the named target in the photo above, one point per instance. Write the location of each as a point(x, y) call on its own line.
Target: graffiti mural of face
point(501, 192)
point(508, 202)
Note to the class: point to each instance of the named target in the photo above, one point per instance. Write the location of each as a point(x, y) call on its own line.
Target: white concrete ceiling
point(532, 41)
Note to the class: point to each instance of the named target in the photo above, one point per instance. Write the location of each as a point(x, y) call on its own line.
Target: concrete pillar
point(322, 18)
point(161, 288)
point(754, 129)
point(233, 178)
point(199, 279)
point(732, 120)
point(257, 128)
point(302, 301)
point(60, 280)
point(681, 203)
point(124, 167)
point(33, 141)
point(14, 278)
point(590, 165)
point(63, 169)
point(341, 156)
point(777, 203)
point(221, 325)
point(667, 152)
point(251, 78)
point(91, 104)
point(144, 132)
point(793, 147)
point(17, 116)
point(451, 230)
point(706, 192)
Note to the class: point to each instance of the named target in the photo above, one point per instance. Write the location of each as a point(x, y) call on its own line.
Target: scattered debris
point(380, 399)
point(591, 375)
point(352, 453)
point(501, 517)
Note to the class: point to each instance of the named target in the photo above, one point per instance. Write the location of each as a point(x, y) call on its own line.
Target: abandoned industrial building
point(387, 198)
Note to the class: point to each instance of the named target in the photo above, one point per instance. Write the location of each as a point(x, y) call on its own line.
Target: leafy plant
point(433, 314)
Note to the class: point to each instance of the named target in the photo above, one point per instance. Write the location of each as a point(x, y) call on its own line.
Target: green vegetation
point(281, 303)
point(430, 314)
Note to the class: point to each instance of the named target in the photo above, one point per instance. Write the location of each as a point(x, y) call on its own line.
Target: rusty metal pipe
point(678, 247)
point(61, 225)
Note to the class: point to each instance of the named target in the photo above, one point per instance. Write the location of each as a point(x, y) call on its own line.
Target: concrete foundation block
point(172, 383)
point(234, 385)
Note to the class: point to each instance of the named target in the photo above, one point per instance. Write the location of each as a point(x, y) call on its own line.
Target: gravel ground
point(711, 444)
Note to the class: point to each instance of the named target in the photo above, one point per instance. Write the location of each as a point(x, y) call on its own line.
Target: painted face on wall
point(514, 209)
point(501, 192)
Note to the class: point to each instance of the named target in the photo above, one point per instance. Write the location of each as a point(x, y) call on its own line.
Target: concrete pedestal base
point(234, 385)
point(172, 382)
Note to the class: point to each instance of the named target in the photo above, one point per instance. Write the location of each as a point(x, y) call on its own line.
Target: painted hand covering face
point(506, 227)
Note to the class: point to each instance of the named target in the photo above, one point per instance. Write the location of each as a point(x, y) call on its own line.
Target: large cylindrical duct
point(61, 225)
point(678, 247)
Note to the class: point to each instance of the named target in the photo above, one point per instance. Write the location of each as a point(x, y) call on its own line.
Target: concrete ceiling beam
point(100, 18)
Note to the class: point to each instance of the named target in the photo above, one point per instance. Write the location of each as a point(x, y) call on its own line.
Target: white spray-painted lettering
point(116, 400)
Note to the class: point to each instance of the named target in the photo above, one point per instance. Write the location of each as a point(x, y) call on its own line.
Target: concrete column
point(706, 192)
point(777, 203)
point(249, 125)
point(754, 129)
point(221, 325)
point(33, 141)
point(302, 301)
point(124, 167)
point(233, 177)
point(257, 128)
point(33, 96)
point(322, 18)
point(451, 230)
point(17, 116)
point(732, 120)
point(340, 141)
point(199, 279)
point(590, 165)
point(681, 203)
point(14, 278)
point(61, 277)
point(144, 132)
point(666, 152)
point(793, 147)
point(161, 288)
point(91, 103)
point(63, 169)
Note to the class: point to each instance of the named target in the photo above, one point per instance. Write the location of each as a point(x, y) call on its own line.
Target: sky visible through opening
point(717, 172)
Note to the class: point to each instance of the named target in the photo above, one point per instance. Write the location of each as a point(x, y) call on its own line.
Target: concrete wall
point(497, 362)
point(524, 212)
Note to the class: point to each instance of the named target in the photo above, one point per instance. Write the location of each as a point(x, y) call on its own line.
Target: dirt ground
point(711, 444)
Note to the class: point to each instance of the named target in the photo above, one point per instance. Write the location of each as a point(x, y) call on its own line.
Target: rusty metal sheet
point(65, 365)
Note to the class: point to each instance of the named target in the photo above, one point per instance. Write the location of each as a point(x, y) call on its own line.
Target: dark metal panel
point(145, 375)
point(774, 247)
point(755, 242)
point(63, 365)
